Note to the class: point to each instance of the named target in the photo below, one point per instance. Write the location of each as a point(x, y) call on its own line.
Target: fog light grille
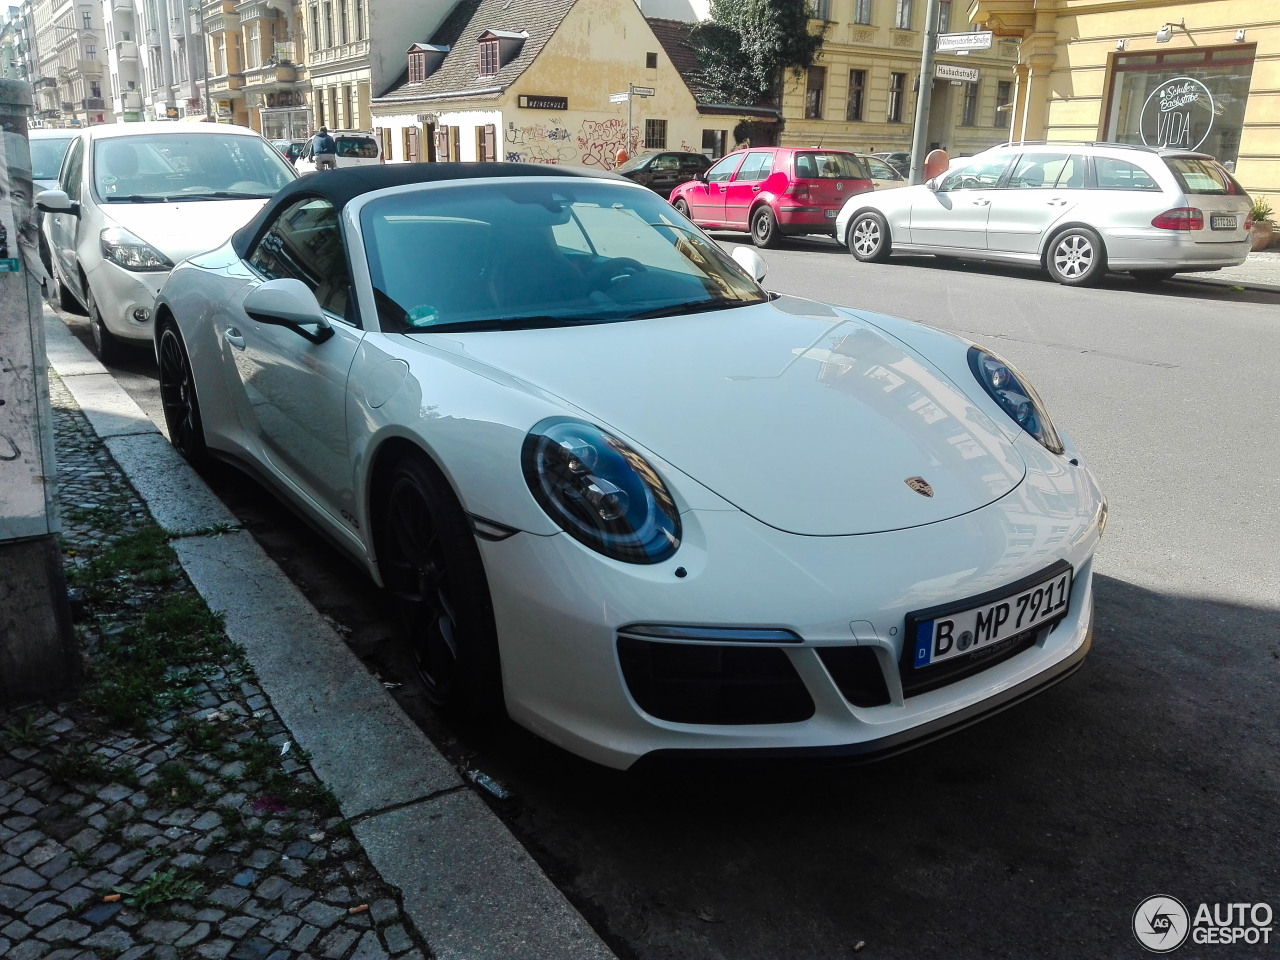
point(856, 671)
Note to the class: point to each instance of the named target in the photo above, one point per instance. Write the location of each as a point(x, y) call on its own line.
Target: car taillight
point(1180, 218)
point(797, 189)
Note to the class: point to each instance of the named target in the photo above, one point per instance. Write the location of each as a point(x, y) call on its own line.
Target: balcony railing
point(93, 103)
point(45, 82)
point(127, 50)
point(131, 100)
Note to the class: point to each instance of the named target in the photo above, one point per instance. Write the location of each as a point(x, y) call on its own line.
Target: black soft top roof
point(343, 185)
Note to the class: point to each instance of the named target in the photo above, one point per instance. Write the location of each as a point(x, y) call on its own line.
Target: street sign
point(951, 42)
point(949, 71)
point(643, 91)
point(619, 97)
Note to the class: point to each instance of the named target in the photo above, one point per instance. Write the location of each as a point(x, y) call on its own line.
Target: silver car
point(1077, 210)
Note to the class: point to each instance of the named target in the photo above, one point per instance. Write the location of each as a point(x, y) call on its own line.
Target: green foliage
point(161, 887)
point(23, 732)
point(1261, 209)
point(174, 784)
point(747, 45)
point(79, 765)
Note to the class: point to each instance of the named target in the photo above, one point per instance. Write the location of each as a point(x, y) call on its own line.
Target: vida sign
point(1179, 113)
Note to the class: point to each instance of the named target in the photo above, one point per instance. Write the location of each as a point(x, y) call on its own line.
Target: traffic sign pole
point(921, 130)
point(630, 94)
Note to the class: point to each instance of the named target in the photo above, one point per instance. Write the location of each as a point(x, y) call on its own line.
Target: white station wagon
point(1078, 210)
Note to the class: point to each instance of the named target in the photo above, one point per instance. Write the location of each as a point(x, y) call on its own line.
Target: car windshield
point(365, 148)
point(176, 166)
point(634, 163)
point(828, 166)
point(1197, 176)
point(514, 255)
point(46, 156)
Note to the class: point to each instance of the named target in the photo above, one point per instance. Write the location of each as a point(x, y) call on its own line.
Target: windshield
point(46, 156)
point(634, 163)
point(512, 255)
point(829, 166)
point(174, 166)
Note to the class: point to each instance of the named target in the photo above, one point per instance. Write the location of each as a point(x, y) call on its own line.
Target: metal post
point(630, 143)
point(37, 645)
point(921, 130)
point(204, 61)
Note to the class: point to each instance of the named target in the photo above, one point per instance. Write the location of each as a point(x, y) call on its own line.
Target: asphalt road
point(1037, 832)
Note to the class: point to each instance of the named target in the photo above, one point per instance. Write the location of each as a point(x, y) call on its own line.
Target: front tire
point(431, 563)
point(868, 238)
point(178, 396)
point(1076, 257)
point(106, 345)
point(764, 228)
point(682, 208)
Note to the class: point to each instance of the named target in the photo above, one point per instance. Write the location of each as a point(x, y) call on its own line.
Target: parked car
point(900, 160)
point(135, 198)
point(354, 150)
point(289, 149)
point(883, 175)
point(48, 147)
point(615, 487)
point(773, 192)
point(663, 172)
point(1077, 210)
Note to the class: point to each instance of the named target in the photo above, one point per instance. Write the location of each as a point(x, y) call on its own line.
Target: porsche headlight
point(131, 252)
point(1016, 397)
point(600, 491)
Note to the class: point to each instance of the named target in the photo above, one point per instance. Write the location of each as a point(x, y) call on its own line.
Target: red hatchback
point(774, 191)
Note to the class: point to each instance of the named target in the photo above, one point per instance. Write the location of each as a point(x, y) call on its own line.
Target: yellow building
point(861, 93)
point(536, 81)
point(1202, 74)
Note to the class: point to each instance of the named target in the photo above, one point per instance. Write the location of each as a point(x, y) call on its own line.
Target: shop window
point(813, 93)
point(897, 89)
point(969, 116)
point(655, 134)
point(1187, 99)
point(1004, 96)
point(857, 85)
point(713, 142)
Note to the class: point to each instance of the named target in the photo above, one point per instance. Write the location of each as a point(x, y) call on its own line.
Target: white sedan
point(619, 490)
point(132, 199)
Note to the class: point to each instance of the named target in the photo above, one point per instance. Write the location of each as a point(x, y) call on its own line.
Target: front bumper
point(119, 292)
point(560, 607)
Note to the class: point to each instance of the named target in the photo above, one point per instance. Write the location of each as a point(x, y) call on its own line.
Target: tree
point(747, 46)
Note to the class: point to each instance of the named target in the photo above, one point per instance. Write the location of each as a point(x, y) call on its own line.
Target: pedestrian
point(324, 150)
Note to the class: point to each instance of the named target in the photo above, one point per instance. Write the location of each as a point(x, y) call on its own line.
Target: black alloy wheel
point(764, 228)
point(431, 563)
point(868, 238)
point(178, 396)
point(106, 345)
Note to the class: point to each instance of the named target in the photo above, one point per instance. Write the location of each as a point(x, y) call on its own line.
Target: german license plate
point(1222, 222)
point(830, 214)
point(943, 638)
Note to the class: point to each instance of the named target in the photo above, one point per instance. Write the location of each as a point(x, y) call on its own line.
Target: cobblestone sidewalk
point(165, 812)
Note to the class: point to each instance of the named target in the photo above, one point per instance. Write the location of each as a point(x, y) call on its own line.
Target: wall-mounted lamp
point(1120, 44)
point(1165, 33)
point(1239, 36)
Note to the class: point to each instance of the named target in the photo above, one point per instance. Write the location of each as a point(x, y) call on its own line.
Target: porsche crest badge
point(920, 486)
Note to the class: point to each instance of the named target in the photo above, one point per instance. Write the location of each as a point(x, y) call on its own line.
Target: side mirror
point(56, 201)
point(289, 303)
point(934, 184)
point(701, 175)
point(750, 261)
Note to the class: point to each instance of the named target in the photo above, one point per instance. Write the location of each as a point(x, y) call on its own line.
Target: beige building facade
point(1197, 74)
point(861, 93)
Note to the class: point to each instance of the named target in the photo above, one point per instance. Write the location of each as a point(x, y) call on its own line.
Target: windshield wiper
point(136, 198)
point(692, 306)
point(505, 323)
point(225, 195)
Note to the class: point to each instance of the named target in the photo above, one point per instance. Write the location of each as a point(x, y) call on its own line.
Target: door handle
point(1056, 202)
point(981, 202)
point(756, 188)
point(232, 336)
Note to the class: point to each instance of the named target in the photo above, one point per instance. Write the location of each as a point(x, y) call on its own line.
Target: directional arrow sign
point(643, 91)
point(951, 42)
point(619, 97)
point(947, 71)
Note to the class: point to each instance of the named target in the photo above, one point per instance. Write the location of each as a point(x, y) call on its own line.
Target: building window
point(342, 22)
point(1004, 92)
point(820, 9)
point(253, 55)
point(95, 89)
point(90, 52)
point(359, 4)
point(88, 20)
point(944, 16)
point(487, 143)
point(651, 61)
point(713, 142)
point(861, 11)
point(902, 15)
point(857, 83)
point(328, 24)
point(970, 115)
point(813, 93)
point(315, 28)
point(417, 67)
point(897, 88)
point(655, 134)
point(489, 58)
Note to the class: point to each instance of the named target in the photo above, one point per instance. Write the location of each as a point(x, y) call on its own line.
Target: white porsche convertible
point(618, 489)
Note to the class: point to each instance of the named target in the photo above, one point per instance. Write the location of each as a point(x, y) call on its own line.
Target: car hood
point(809, 419)
point(169, 226)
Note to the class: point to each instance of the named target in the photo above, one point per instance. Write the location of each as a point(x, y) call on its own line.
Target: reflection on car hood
point(181, 230)
point(809, 419)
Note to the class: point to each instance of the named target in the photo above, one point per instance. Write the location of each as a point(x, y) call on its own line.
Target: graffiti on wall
point(539, 143)
point(600, 140)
